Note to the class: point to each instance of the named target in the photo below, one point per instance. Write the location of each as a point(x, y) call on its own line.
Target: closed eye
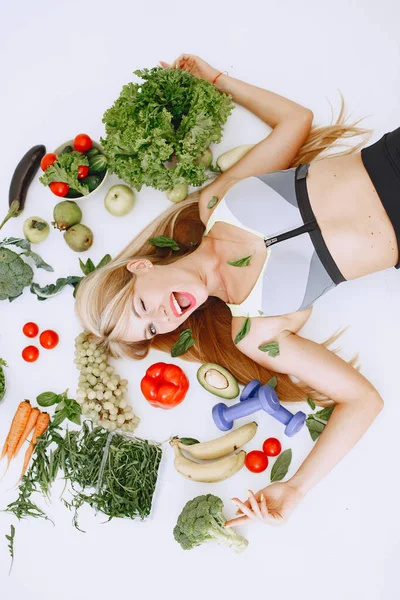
point(143, 305)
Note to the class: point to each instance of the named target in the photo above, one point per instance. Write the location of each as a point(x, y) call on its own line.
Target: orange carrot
point(41, 425)
point(18, 425)
point(33, 417)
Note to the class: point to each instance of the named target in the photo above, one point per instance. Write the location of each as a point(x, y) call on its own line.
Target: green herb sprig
point(241, 262)
point(212, 202)
point(244, 330)
point(163, 241)
point(10, 546)
point(316, 422)
point(272, 348)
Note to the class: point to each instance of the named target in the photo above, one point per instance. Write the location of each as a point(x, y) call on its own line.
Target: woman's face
point(163, 297)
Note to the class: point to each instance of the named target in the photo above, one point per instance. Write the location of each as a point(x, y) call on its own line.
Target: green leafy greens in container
point(65, 169)
point(172, 117)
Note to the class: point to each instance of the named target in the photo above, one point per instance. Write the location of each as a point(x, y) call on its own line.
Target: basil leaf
point(325, 413)
point(281, 466)
point(38, 260)
point(47, 399)
point(164, 242)
point(189, 441)
point(212, 202)
point(73, 411)
point(241, 262)
point(273, 382)
point(244, 331)
point(184, 342)
point(260, 312)
point(311, 403)
point(48, 291)
point(314, 427)
point(104, 261)
point(86, 267)
point(39, 225)
point(272, 348)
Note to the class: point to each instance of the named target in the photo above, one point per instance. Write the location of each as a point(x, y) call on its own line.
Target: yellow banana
point(209, 472)
point(223, 445)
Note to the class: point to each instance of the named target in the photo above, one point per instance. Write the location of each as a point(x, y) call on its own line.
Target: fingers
point(254, 504)
point(165, 64)
point(245, 510)
point(237, 522)
point(264, 509)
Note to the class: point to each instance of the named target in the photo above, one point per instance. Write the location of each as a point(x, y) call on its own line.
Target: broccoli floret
point(15, 274)
point(202, 520)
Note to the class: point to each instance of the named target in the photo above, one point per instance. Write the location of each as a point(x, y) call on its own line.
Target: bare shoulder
point(267, 329)
point(210, 196)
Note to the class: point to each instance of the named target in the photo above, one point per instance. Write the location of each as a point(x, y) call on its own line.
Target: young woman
point(303, 231)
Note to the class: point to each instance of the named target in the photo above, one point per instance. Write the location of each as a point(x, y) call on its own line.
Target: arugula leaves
point(10, 546)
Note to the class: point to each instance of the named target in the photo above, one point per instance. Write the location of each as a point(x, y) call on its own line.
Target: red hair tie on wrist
point(220, 73)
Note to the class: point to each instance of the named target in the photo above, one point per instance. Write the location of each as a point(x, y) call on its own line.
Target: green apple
point(119, 200)
point(178, 192)
point(36, 229)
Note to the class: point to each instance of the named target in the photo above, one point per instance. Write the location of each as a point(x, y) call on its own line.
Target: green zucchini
point(97, 164)
point(66, 150)
point(73, 194)
point(92, 152)
point(92, 181)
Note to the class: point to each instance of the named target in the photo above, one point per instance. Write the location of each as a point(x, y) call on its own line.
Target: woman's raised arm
point(357, 405)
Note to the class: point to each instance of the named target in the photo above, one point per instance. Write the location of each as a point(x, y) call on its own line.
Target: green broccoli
point(15, 274)
point(202, 520)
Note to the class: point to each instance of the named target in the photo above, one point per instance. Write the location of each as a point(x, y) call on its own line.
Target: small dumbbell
point(253, 398)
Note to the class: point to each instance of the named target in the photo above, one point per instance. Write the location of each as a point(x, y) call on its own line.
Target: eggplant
point(25, 171)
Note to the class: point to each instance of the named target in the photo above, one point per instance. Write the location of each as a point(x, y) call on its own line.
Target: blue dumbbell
point(253, 398)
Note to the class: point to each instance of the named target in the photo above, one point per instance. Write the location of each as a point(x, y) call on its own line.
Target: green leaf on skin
point(311, 403)
point(273, 382)
point(163, 241)
point(281, 466)
point(241, 262)
point(272, 348)
point(184, 342)
point(316, 422)
point(212, 202)
point(244, 330)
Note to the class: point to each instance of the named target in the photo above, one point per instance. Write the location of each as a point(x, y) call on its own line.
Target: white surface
point(63, 64)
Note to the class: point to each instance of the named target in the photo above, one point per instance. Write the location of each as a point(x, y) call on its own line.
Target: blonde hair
point(103, 299)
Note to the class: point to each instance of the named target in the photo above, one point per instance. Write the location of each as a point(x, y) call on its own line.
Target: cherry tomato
point(30, 330)
point(272, 447)
point(59, 188)
point(83, 171)
point(256, 461)
point(49, 339)
point(30, 353)
point(82, 142)
point(47, 161)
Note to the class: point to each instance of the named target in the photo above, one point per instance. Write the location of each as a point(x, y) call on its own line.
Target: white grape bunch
point(101, 392)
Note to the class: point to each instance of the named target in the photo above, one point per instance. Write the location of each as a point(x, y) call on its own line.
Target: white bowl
point(94, 145)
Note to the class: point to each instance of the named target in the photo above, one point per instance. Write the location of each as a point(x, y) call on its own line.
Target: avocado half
point(218, 381)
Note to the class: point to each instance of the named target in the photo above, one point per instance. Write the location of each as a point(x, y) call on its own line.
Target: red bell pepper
point(164, 385)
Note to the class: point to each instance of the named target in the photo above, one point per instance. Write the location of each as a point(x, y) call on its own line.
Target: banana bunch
point(220, 448)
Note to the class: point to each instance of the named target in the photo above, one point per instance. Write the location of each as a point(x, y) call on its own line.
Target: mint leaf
point(273, 382)
point(244, 331)
point(241, 262)
point(189, 441)
point(212, 202)
point(163, 241)
point(272, 348)
point(316, 422)
point(104, 261)
point(260, 312)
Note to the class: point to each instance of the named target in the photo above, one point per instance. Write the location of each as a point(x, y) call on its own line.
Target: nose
point(163, 313)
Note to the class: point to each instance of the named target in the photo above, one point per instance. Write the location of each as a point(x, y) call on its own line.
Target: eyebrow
point(139, 317)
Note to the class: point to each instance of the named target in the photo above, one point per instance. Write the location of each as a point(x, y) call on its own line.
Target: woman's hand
point(272, 505)
point(194, 65)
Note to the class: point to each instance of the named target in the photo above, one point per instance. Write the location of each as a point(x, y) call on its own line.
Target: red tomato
point(256, 461)
point(47, 161)
point(83, 171)
point(30, 330)
point(59, 188)
point(82, 142)
point(30, 353)
point(272, 447)
point(49, 339)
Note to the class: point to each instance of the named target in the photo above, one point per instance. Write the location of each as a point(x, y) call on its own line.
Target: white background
point(62, 65)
